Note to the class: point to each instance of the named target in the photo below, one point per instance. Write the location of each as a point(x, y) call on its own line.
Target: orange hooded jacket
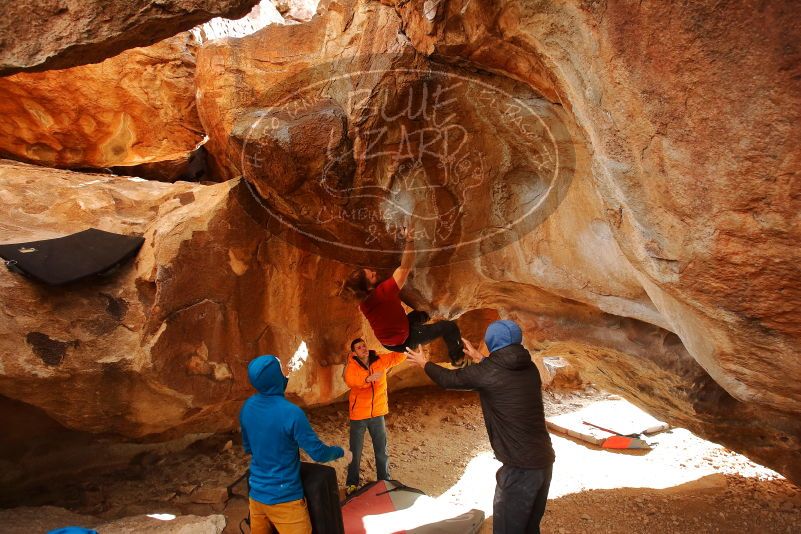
point(369, 399)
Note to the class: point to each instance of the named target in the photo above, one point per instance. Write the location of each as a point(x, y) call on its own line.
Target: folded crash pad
point(322, 497)
point(66, 259)
point(389, 507)
point(611, 424)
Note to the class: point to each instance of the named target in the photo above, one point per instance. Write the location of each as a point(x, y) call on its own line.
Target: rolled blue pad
point(72, 530)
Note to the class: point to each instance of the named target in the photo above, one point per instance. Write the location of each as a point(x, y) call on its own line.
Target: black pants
point(520, 498)
point(420, 334)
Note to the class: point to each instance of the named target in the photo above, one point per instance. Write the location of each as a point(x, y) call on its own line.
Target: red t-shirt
point(384, 312)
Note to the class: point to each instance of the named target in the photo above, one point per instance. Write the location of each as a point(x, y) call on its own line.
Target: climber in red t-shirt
point(381, 305)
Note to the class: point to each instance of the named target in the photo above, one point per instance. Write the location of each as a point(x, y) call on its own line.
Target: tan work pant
point(288, 517)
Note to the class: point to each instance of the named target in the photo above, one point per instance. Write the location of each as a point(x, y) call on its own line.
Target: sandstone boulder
point(614, 259)
point(161, 346)
point(695, 184)
point(296, 10)
point(135, 109)
point(25, 520)
point(624, 197)
point(185, 524)
point(347, 137)
point(51, 34)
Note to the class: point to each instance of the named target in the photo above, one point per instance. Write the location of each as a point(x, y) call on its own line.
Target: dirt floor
point(437, 443)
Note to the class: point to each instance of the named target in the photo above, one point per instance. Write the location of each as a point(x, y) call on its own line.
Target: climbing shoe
point(350, 490)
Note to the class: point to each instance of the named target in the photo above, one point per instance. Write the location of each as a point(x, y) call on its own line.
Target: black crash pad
point(322, 497)
point(66, 259)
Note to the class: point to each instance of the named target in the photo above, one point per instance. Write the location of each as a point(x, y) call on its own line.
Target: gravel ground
point(437, 442)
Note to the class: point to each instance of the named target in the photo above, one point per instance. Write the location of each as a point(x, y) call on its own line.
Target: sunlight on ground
point(579, 468)
point(425, 510)
point(678, 457)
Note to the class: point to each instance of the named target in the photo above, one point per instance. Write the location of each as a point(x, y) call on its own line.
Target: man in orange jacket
point(366, 376)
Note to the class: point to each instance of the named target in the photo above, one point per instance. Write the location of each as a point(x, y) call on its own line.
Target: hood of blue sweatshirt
point(501, 334)
point(266, 376)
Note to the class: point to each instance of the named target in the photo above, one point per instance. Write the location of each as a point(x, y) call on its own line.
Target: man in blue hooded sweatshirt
point(273, 430)
point(509, 386)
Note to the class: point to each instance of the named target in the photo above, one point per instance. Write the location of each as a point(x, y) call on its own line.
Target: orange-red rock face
point(52, 34)
point(162, 346)
point(347, 137)
point(696, 177)
point(642, 230)
point(657, 179)
point(693, 126)
point(133, 109)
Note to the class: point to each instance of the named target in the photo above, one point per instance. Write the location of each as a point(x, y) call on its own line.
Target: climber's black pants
point(420, 334)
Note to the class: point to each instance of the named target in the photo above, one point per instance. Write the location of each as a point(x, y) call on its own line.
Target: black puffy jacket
point(510, 389)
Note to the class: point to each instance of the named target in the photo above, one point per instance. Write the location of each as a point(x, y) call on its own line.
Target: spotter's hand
point(417, 357)
point(471, 352)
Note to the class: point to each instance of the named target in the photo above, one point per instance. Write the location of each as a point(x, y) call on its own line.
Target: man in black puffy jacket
point(509, 386)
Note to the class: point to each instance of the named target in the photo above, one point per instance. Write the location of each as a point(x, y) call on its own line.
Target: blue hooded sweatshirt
point(501, 334)
point(272, 430)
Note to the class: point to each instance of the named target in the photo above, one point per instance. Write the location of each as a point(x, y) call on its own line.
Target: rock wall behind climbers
point(160, 347)
point(666, 245)
point(695, 183)
point(632, 200)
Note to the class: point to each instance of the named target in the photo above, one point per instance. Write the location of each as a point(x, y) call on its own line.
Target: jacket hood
point(266, 376)
point(501, 334)
point(513, 357)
